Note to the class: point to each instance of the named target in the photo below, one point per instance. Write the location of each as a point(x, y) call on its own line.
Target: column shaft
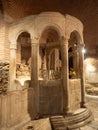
point(12, 70)
point(34, 78)
point(82, 77)
point(65, 74)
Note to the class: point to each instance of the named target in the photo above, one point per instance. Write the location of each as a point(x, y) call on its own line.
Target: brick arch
point(20, 32)
point(53, 29)
point(49, 19)
point(23, 45)
point(78, 35)
point(16, 33)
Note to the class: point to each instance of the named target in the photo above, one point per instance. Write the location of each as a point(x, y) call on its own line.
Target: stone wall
point(75, 93)
point(50, 97)
point(4, 42)
point(4, 76)
point(16, 108)
point(91, 70)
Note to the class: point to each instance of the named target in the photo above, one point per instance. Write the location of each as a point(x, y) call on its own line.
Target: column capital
point(82, 45)
point(34, 40)
point(64, 39)
point(13, 46)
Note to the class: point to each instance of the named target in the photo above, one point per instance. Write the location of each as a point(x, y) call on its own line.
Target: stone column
point(65, 74)
point(12, 70)
point(34, 75)
point(76, 62)
point(78, 76)
point(82, 76)
point(43, 66)
point(48, 64)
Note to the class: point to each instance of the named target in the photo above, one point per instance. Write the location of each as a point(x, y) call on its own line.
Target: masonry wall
point(16, 108)
point(91, 70)
point(4, 42)
point(75, 93)
point(50, 97)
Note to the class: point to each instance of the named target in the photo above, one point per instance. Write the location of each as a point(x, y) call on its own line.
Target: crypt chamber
point(44, 70)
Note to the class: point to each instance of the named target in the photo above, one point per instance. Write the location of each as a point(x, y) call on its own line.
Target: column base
point(83, 105)
point(66, 111)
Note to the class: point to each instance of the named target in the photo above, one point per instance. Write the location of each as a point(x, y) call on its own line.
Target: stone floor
point(92, 103)
point(43, 124)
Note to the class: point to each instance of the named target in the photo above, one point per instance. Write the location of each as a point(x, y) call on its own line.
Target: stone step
point(78, 117)
point(72, 121)
point(79, 124)
point(58, 123)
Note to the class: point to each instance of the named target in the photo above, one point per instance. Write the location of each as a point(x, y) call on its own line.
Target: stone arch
point(16, 33)
point(78, 36)
point(74, 53)
point(19, 32)
point(23, 55)
point(23, 46)
point(49, 45)
point(54, 27)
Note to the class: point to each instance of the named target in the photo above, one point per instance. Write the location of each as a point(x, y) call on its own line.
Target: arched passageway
point(50, 94)
point(73, 56)
point(23, 56)
point(23, 48)
point(49, 53)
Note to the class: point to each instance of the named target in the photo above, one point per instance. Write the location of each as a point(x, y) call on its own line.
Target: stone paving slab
point(87, 128)
point(94, 125)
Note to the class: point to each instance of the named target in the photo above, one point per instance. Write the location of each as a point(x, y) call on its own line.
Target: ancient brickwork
point(4, 43)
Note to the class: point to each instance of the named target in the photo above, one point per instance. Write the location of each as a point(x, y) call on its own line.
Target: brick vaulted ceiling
point(85, 10)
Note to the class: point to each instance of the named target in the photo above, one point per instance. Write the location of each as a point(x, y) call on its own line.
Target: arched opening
point(73, 54)
point(23, 55)
point(49, 53)
point(50, 89)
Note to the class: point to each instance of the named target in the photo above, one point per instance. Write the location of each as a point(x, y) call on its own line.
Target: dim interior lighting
point(91, 68)
point(84, 50)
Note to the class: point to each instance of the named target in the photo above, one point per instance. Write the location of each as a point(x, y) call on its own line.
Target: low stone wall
point(4, 76)
point(16, 108)
point(50, 97)
point(75, 93)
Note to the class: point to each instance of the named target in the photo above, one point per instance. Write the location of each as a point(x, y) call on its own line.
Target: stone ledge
point(74, 121)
